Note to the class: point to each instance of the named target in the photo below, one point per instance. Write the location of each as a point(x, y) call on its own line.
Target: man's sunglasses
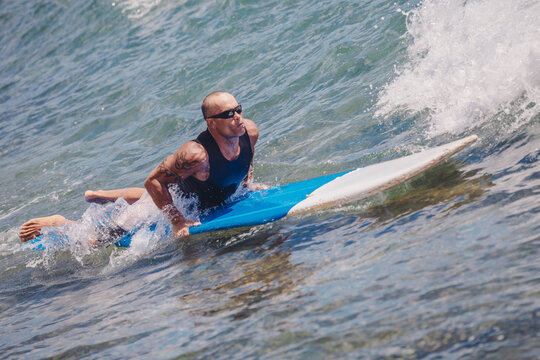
point(227, 114)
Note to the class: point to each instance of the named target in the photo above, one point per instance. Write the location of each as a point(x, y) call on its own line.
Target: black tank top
point(225, 176)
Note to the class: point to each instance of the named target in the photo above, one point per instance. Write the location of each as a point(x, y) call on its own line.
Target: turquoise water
point(94, 94)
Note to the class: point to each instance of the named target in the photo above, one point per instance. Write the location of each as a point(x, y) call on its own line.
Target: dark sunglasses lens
point(225, 115)
point(229, 113)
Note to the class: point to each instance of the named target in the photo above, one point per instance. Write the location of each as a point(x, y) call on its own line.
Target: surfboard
point(260, 207)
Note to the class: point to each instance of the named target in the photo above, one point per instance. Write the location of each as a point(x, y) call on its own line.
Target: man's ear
point(211, 123)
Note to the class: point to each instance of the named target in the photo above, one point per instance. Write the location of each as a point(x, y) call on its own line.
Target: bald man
point(213, 166)
point(210, 168)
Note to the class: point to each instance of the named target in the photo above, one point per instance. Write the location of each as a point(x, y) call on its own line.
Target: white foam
point(135, 9)
point(78, 237)
point(467, 62)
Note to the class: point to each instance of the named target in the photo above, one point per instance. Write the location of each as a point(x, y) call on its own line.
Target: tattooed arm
point(190, 160)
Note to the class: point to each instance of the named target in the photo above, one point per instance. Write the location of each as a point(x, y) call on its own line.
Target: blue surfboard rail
point(261, 206)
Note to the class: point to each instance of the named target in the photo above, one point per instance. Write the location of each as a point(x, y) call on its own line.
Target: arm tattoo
point(163, 170)
point(182, 164)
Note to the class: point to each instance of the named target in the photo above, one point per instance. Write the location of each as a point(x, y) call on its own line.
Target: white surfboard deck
point(363, 182)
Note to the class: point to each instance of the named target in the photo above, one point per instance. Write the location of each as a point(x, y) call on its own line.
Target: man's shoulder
point(192, 151)
point(251, 127)
point(252, 130)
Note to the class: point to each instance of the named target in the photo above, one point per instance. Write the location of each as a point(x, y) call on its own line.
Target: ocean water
point(94, 94)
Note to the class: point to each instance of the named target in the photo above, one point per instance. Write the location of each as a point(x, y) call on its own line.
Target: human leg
point(102, 196)
point(32, 228)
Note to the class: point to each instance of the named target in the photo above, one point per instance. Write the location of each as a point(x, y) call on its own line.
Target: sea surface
point(94, 94)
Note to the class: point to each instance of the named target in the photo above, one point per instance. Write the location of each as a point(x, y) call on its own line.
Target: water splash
point(79, 237)
point(469, 62)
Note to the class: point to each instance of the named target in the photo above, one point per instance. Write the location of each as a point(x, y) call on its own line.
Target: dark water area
point(93, 95)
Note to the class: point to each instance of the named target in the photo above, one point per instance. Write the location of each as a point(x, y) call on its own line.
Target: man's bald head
point(214, 101)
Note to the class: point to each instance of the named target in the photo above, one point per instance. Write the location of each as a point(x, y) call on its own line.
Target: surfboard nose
point(363, 182)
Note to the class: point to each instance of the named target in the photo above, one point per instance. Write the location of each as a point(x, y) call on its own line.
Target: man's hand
point(257, 186)
point(181, 228)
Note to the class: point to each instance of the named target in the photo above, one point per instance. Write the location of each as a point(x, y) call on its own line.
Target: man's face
point(231, 127)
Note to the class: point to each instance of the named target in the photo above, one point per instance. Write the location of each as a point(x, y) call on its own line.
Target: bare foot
point(95, 197)
point(32, 228)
